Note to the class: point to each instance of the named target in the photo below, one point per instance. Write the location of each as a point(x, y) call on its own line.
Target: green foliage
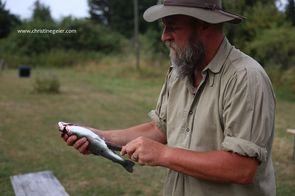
point(99, 11)
point(275, 74)
point(91, 36)
point(30, 43)
point(267, 39)
point(47, 84)
point(257, 19)
point(283, 81)
point(289, 79)
point(274, 46)
point(119, 15)
point(60, 49)
point(290, 11)
point(7, 21)
point(41, 12)
point(265, 34)
point(152, 44)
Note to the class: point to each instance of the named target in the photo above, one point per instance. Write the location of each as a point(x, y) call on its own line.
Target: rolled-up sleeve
point(244, 148)
point(160, 122)
point(248, 115)
point(159, 114)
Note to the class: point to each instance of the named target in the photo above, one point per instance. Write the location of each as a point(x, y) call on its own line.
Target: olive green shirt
point(233, 109)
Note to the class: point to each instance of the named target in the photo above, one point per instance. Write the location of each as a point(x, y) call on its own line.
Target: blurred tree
point(34, 43)
point(265, 34)
point(274, 46)
point(7, 21)
point(258, 18)
point(290, 11)
point(41, 12)
point(90, 36)
point(99, 11)
point(118, 14)
point(242, 6)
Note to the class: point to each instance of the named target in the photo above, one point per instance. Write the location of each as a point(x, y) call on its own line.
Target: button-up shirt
point(233, 109)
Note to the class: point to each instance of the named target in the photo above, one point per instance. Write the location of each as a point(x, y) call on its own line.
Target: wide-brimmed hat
point(209, 11)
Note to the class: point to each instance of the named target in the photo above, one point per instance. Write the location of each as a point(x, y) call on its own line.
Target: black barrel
point(24, 71)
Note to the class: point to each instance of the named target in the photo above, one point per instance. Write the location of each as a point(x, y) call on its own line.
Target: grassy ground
point(104, 97)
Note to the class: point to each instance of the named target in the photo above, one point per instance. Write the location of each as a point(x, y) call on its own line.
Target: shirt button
point(187, 130)
point(190, 112)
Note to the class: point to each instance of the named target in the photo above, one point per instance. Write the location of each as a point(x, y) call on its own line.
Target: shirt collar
point(220, 57)
point(215, 64)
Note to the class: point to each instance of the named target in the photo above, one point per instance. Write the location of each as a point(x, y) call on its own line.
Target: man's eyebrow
point(168, 21)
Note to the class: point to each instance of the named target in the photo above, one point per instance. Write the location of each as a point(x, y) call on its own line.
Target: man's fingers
point(84, 148)
point(124, 150)
point(129, 149)
point(79, 143)
point(135, 157)
point(71, 140)
point(65, 137)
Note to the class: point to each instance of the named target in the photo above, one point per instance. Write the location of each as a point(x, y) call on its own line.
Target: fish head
point(64, 127)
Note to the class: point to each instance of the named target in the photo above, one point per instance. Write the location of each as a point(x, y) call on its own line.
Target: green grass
point(30, 142)
point(103, 97)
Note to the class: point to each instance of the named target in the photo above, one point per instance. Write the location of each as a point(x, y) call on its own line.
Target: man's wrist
point(166, 156)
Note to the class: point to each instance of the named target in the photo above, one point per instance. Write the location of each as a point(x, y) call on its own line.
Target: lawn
point(103, 97)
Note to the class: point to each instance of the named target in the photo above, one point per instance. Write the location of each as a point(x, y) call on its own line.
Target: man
point(213, 125)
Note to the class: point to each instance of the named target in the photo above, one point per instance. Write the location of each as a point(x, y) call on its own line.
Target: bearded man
point(213, 124)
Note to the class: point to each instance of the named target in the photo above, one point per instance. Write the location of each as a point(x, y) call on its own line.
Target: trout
point(97, 145)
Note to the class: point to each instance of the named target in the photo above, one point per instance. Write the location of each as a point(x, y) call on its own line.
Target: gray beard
point(186, 60)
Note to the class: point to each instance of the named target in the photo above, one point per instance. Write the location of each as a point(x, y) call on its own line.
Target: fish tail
point(128, 165)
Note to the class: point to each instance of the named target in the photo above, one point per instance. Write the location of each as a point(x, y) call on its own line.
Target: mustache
point(171, 45)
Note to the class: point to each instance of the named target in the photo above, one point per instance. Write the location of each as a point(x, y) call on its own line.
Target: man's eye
point(172, 28)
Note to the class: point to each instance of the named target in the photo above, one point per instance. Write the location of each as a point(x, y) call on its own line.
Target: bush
point(275, 74)
point(288, 79)
point(90, 36)
point(282, 79)
point(49, 84)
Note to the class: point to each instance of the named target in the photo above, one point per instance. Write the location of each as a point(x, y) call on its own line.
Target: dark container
point(24, 71)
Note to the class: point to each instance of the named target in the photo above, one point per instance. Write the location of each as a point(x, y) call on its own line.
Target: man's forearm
point(218, 166)
point(123, 136)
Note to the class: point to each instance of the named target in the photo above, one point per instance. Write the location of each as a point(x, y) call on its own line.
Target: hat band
point(194, 4)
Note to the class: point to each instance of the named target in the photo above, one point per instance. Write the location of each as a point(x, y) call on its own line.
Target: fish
point(97, 145)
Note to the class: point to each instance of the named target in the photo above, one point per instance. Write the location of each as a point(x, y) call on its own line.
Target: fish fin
point(128, 165)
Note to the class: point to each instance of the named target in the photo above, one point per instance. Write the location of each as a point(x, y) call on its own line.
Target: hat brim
point(210, 16)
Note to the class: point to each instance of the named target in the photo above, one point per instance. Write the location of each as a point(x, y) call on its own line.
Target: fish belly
point(99, 149)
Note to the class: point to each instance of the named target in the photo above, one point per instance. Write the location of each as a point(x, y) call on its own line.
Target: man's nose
point(166, 36)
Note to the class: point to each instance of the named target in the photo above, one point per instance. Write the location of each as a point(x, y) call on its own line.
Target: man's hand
point(145, 151)
point(80, 144)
